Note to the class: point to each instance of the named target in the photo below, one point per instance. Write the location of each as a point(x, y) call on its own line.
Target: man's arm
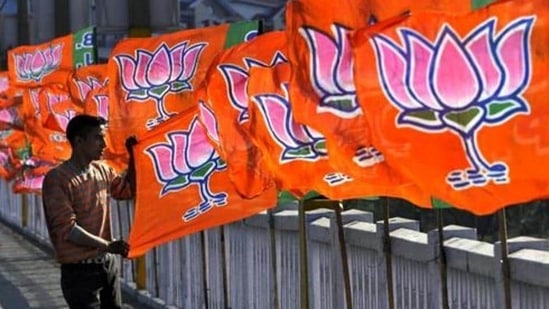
point(80, 236)
point(123, 187)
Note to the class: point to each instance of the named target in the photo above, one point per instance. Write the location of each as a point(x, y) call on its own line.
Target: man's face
point(93, 145)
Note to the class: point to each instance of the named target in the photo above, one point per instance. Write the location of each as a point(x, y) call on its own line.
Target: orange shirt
point(71, 197)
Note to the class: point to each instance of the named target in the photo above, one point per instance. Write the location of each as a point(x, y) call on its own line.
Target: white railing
point(189, 273)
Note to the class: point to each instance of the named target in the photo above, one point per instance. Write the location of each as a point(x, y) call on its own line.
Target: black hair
point(80, 125)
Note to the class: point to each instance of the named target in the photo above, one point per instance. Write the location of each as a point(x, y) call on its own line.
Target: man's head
point(86, 134)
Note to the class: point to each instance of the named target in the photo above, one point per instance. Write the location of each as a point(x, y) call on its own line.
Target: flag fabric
point(223, 106)
point(153, 79)
point(456, 103)
point(291, 150)
point(53, 61)
point(323, 94)
point(47, 144)
point(85, 79)
point(183, 186)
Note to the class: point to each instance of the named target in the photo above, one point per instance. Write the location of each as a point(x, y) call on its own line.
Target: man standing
point(76, 198)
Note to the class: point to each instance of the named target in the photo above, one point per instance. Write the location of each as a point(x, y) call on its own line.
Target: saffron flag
point(291, 150)
point(53, 61)
point(323, 95)
point(223, 106)
point(7, 169)
point(457, 103)
point(47, 144)
point(152, 79)
point(85, 79)
point(183, 186)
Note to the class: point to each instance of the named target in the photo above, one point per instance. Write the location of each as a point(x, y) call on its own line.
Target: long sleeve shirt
point(80, 197)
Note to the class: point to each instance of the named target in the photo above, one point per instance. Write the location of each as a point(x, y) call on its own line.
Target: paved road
point(29, 277)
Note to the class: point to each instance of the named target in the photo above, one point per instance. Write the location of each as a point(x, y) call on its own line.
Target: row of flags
point(435, 102)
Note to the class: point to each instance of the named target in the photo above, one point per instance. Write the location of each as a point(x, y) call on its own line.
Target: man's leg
point(111, 295)
point(81, 285)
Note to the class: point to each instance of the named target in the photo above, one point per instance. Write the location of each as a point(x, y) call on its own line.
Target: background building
point(36, 21)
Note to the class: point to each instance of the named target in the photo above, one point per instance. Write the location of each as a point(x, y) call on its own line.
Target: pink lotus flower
point(85, 86)
point(299, 142)
point(155, 74)
point(188, 158)
point(209, 121)
point(236, 79)
point(34, 66)
point(4, 83)
point(459, 84)
point(331, 66)
point(102, 105)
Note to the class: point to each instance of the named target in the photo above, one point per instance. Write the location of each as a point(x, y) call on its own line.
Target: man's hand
point(118, 247)
point(130, 142)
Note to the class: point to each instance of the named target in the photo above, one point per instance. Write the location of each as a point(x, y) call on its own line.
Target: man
point(76, 198)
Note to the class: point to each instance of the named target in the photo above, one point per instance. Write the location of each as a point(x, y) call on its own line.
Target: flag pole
point(274, 273)
point(388, 254)
point(343, 251)
point(224, 266)
point(505, 267)
point(303, 256)
point(442, 259)
point(204, 269)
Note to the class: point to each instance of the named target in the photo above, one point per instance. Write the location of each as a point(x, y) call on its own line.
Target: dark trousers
point(87, 286)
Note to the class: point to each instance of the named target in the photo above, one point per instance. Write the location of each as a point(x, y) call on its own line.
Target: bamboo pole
point(338, 207)
point(388, 254)
point(442, 260)
point(505, 266)
point(303, 257)
point(204, 269)
point(274, 272)
point(224, 266)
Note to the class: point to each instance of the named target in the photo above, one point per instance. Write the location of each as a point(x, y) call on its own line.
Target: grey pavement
point(29, 276)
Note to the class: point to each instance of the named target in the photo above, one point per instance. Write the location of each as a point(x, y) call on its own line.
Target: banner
point(153, 79)
point(51, 62)
point(183, 186)
point(457, 103)
point(223, 106)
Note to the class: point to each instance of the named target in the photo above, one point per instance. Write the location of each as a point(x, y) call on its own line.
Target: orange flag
point(291, 150)
point(53, 61)
point(152, 79)
point(47, 144)
point(183, 186)
point(457, 103)
point(223, 109)
point(85, 79)
point(323, 95)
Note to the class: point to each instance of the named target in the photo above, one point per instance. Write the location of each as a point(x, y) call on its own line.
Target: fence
point(255, 263)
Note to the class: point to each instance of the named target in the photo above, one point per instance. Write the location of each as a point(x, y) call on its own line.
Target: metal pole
point(303, 255)
point(505, 266)
point(388, 254)
point(343, 251)
point(276, 304)
point(442, 260)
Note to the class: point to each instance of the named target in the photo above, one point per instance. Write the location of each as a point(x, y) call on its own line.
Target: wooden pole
point(505, 266)
point(204, 269)
point(303, 257)
point(442, 260)
point(274, 272)
point(343, 251)
point(388, 254)
point(224, 267)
